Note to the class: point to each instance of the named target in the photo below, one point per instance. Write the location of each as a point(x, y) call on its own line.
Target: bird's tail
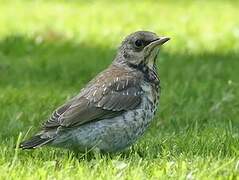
point(35, 142)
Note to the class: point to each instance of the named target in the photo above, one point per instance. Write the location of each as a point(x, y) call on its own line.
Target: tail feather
point(34, 142)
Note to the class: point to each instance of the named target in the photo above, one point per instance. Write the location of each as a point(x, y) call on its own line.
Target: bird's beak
point(158, 42)
point(152, 49)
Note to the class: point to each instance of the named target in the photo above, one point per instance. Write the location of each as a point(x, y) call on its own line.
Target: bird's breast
point(151, 93)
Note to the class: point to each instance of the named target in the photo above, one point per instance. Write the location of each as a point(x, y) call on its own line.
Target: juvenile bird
point(115, 108)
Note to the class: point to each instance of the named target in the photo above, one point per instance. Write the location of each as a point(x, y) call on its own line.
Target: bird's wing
point(107, 96)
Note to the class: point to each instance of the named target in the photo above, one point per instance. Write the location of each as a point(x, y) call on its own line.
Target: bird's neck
point(150, 74)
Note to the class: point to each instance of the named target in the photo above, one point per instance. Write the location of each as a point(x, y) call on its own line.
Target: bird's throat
point(150, 74)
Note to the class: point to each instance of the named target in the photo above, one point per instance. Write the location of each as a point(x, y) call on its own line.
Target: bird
point(115, 108)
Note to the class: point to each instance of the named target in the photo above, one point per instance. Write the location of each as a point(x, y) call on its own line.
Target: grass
point(50, 49)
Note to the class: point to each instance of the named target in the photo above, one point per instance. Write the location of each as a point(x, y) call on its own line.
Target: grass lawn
point(50, 49)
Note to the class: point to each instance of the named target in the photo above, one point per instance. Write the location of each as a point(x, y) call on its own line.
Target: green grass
point(50, 49)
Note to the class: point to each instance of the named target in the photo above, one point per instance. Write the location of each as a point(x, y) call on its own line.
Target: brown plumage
point(126, 89)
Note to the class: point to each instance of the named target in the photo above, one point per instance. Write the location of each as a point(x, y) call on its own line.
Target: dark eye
point(139, 43)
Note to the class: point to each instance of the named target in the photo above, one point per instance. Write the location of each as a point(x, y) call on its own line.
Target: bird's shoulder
point(114, 79)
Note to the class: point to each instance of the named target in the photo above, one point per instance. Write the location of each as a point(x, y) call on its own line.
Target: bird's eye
point(139, 43)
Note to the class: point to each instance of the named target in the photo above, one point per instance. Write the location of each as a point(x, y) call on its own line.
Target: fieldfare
point(115, 108)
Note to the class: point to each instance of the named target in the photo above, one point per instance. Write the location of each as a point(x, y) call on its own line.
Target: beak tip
point(166, 38)
point(163, 40)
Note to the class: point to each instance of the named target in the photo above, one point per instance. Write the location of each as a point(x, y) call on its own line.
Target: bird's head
point(140, 47)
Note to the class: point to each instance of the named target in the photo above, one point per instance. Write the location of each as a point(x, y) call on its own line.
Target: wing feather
point(108, 95)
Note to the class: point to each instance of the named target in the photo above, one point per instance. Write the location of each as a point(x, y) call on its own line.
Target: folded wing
point(108, 95)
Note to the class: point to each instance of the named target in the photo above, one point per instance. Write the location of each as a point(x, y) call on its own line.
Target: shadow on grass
point(198, 111)
point(64, 62)
point(60, 63)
